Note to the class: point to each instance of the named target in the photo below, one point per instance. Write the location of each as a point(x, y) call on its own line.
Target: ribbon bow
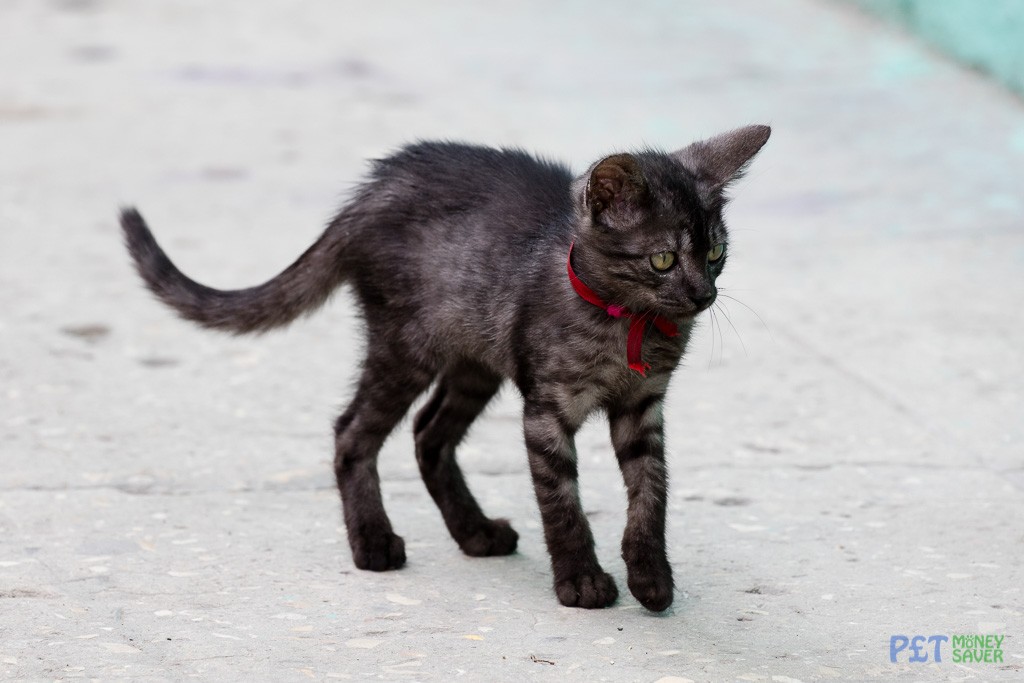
point(637, 321)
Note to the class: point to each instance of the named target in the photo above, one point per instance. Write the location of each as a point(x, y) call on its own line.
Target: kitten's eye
point(663, 260)
point(716, 253)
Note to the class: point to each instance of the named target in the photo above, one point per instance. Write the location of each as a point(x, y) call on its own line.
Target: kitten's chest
point(618, 343)
point(594, 366)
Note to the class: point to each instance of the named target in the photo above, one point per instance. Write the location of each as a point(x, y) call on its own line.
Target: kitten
point(474, 265)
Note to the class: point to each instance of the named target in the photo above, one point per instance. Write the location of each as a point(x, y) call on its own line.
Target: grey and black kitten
point(474, 265)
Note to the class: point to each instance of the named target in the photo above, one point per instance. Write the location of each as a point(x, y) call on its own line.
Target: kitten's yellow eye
point(716, 253)
point(663, 260)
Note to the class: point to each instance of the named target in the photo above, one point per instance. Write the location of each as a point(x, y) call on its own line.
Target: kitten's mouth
point(685, 313)
point(688, 310)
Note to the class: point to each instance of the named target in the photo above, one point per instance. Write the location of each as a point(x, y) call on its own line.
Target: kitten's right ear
point(616, 189)
point(719, 160)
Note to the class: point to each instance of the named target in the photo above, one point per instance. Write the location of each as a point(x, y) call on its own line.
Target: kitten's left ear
point(615, 189)
point(719, 160)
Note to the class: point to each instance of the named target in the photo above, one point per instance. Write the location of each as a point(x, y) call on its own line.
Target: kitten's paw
point(497, 537)
point(652, 586)
point(378, 552)
point(589, 591)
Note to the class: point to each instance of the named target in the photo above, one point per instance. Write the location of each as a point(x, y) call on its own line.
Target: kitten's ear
point(719, 160)
point(616, 186)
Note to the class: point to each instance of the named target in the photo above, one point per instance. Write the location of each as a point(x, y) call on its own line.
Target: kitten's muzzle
point(703, 300)
point(692, 305)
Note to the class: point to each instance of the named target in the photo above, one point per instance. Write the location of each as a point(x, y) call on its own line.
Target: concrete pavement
point(846, 463)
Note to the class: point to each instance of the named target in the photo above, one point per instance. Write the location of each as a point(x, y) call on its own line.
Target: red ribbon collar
point(637, 321)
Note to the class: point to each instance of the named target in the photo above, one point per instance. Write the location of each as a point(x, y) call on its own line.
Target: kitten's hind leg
point(387, 388)
point(459, 398)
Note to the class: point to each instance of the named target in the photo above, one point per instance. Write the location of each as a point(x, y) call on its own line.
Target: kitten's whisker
point(756, 314)
point(724, 311)
point(711, 326)
point(721, 341)
point(714, 325)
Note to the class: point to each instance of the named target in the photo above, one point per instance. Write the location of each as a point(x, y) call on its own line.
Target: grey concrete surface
point(847, 470)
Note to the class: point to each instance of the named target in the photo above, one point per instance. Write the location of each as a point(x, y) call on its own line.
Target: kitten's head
point(651, 223)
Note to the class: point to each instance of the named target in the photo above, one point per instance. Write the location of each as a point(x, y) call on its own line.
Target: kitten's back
point(434, 179)
point(464, 229)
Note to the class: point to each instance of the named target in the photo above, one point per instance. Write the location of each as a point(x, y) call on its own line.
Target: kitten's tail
point(301, 288)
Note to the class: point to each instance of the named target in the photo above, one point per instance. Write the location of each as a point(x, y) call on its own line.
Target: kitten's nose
point(703, 300)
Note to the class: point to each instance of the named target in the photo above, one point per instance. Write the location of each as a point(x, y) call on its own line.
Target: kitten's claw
point(378, 553)
point(589, 591)
point(497, 537)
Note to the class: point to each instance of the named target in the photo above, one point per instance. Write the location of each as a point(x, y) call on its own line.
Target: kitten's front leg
point(579, 579)
point(638, 438)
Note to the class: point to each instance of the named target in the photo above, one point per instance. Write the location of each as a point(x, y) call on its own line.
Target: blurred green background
point(985, 34)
